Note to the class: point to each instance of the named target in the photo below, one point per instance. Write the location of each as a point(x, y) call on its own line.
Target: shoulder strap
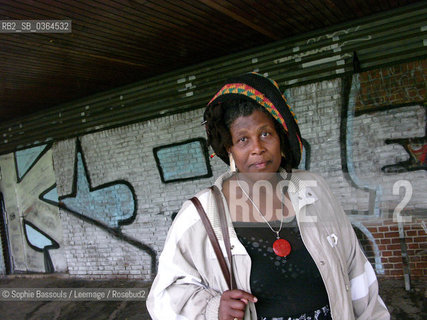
point(225, 234)
point(213, 239)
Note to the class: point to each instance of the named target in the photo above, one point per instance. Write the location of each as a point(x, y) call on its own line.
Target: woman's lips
point(260, 165)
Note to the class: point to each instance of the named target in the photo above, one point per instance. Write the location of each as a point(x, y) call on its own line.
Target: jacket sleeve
point(179, 291)
point(367, 304)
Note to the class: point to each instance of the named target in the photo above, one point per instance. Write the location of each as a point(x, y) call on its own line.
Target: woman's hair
point(219, 118)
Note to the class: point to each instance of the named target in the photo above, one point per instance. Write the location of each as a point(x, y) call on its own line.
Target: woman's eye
point(265, 134)
point(242, 139)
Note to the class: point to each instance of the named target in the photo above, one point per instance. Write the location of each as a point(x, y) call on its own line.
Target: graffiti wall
point(113, 200)
point(368, 138)
point(34, 227)
point(100, 205)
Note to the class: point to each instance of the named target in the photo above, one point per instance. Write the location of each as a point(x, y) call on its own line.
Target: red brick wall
point(395, 85)
point(386, 234)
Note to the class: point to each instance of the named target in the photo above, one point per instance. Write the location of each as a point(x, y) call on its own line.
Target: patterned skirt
point(320, 314)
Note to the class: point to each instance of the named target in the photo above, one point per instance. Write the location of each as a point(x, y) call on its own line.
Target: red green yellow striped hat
point(265, 92)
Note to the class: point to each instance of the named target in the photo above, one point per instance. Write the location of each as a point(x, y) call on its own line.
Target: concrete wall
point(100, 201)
point(34, 226)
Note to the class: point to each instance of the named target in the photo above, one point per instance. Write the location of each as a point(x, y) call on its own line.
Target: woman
point(294, 251)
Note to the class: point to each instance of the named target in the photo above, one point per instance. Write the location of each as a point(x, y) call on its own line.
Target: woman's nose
point(257, 146)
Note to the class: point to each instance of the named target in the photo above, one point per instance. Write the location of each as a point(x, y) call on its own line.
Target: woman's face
point(256, 144)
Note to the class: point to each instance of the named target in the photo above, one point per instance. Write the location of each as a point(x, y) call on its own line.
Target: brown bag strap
point(225, 234)
point(229, 276)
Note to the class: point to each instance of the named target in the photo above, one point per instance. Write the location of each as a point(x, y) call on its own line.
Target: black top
point(285, 286)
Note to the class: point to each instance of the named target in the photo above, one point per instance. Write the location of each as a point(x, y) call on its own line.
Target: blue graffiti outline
point(74, 191)
point(115, 232)
point(39, 156)
point(204, 150)
point(55, 245)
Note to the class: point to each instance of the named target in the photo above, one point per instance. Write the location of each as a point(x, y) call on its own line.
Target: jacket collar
point(301, 191)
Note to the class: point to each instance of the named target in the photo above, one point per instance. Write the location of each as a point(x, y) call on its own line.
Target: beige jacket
point(189, 282)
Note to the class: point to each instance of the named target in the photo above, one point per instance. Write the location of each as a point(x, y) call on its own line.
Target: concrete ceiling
point(114, 43)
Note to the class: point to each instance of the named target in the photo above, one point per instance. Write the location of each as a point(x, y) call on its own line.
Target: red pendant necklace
point(281, 247)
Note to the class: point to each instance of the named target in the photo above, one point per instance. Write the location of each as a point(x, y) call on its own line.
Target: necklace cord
point(259, 211)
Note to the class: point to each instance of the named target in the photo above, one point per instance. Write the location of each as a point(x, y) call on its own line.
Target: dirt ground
point(403, 305)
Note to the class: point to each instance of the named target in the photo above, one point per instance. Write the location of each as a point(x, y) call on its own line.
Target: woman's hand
point(233, 303)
